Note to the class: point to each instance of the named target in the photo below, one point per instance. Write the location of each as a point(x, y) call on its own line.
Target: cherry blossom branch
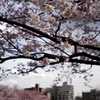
point(90, 46)
point(30, 70)
point(46, 35)
point(36, 67)
point(33, 57)
point(56, 47)
point(46, 41)
point(11, 43)
point(82, 45)
point(29, 28)
point(75, 43)
point(51, 56)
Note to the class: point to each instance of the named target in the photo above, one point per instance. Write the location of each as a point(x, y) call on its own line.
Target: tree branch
point(11, 43)
point(90, 47)
point(29, 28)
point(83, 45)
point(95, 36)
point(51, 56)
point(33, 57)
point(84, 62)
point(85, 54)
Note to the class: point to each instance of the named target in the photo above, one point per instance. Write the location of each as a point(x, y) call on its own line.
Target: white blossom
point(82, 58)
point(48, 8)
point(85, 39)
point(57, 59)
point(36, 19)
point(67, 59)
point(69, 5)
point(42, 2)
point(64, 14)
point(65, 44)
point(75, 7)
point(35, 2)
point(52, 20)
point(26, 53)
point(61, 2)
point(45, 61)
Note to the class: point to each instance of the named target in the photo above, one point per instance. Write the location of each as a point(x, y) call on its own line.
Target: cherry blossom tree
point(53, 34)
point(7, 93)
point(34, 95)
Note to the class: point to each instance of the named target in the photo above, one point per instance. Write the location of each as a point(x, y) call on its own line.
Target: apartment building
point(64, 92)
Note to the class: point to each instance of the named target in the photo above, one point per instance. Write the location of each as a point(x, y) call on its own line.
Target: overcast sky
point(45, 79)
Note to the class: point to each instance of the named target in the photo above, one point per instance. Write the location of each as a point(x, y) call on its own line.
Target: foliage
point(61, 33)
point(7, 93)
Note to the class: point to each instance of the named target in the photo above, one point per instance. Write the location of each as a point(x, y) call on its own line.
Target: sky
point(45, 79)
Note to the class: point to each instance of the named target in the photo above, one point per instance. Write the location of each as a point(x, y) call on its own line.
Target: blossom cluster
point(48, 8)
point(26, 53)
point(45, 61)
point(65, 44)
point(36, 19)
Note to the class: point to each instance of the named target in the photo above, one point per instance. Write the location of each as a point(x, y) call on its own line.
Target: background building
point(64, 92)
point(92, 95)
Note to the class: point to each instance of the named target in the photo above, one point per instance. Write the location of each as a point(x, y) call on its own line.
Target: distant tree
point(7, 93)
point(34, 95)
point(64, 34)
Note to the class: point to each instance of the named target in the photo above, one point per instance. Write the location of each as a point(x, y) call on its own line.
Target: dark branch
point(90, 47)
point(57, 29)
point(51, 56)
point(11, 43)
point(95, 36)
point(84, 62)
point(85, 54)
point(83, 45)
point(29, 28)
point(33, 57)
